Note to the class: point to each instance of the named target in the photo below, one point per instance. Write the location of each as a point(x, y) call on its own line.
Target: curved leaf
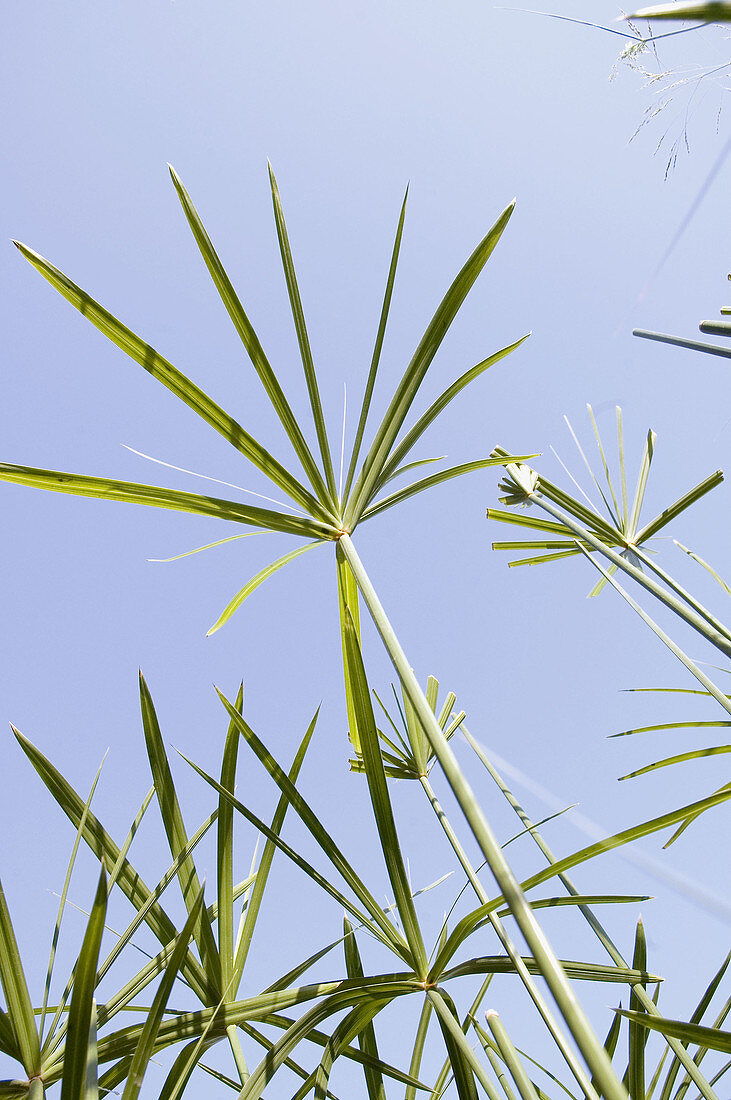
point(254, 583)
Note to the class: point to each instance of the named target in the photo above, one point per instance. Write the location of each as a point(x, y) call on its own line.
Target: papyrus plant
point(211, 1004)
point(323, 510)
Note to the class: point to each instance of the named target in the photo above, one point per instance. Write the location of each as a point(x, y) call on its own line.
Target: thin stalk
point(441, 1081)
point(521, 969)
point(588, 1043)
point(497, 1064)
point(418, 1051)
point(677, 588)
point(510, 1056)
point(594, 923)
point(462, 1041)
point(238, 1052)
point(675, 649)
point(691, 617)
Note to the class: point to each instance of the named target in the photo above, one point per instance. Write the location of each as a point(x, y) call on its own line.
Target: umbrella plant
point(205, 955)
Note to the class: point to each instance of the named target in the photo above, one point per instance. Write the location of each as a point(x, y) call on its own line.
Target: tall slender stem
point(237, 1050)
point(594, 923)
point(587, 1041)
point(688, 615)
point(522, 970)
point(462, 1041)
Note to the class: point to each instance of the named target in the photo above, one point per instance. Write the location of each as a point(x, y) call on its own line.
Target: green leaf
point(76, 1048)
point(695, 754)
point(59, 917)
point(464, 1078)
point(176, 382)
point(646, 828)
point(357, 1020)
point(267, 857)
point(17, 998)
point(200, 549)
point(610, 1043)
point(699, 1012)
point(302, 338)
point(366, 1037)
point(183, 1066)
point(133, 493)
point(296, 858)
point(312, 822)
point(104, 848)
point(14, 1090)
point(709, 1037)
point(414, 375)
point(345, 996)
point(436, 479)
point(581, 971)
point(671, 725)
point(583, 899)
point(371, 380)
point(256, 353)
point(419, 1043)
point(132, 988)
point(224, 852)
point(175, 831)
point(706, 566)
point(8, 1042)
point(146, 1043)
point(438, 406)
point(670, 513)
point(637, 1035)
point(413, 466)
point(254, 583)
point(520, 519)
point(380, 799)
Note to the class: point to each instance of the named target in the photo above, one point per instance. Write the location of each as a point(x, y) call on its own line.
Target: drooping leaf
point(253, 584)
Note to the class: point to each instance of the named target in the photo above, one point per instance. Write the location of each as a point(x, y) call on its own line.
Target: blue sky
point(472, 105)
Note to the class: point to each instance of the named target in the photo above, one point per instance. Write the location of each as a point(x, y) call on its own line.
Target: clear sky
point(473, 105)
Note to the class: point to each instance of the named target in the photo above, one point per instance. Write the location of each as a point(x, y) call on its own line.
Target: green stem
point(461, 1039)
point(690, 600)
point(441, 1081)
point(237, 1050)
point(418, 1051)
point(551, 969)
point(520, 967)
point(684, 659)
point(510, 1056)
point(498, 1066)
point(689, 616)
point(594, 923)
